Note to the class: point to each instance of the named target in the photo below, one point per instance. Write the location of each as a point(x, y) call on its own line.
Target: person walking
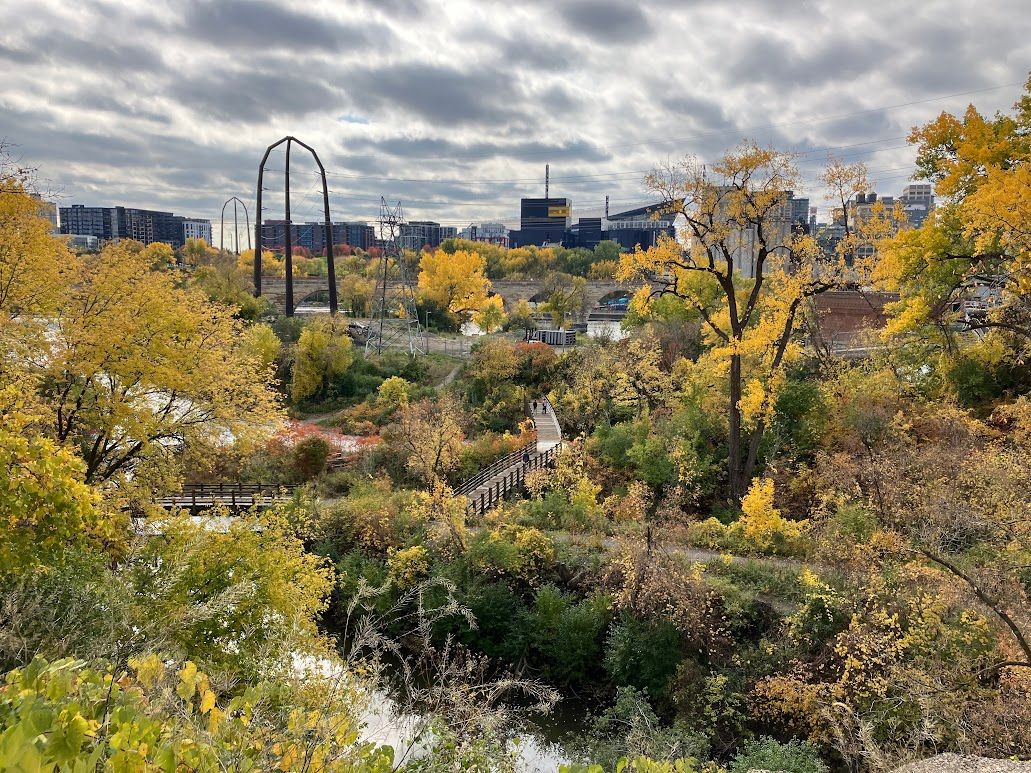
point(535, 406)
point(544, 407)
point(526, 458)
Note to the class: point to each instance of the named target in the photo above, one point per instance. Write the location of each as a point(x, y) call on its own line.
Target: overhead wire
point(618, 177)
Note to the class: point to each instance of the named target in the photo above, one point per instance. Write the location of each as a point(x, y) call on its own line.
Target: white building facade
point(197, 228)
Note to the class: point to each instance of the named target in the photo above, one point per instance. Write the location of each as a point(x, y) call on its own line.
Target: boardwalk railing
point(506, 461)
point(235, 496)
point(490, 497)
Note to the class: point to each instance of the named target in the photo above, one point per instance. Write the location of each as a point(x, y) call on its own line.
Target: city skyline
point(455, 109)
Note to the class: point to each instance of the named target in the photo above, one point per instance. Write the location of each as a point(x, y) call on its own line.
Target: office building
point(585, 233)
point(917, 201)
point(492, 233)
point(113, 223)
point(642, 226)
point(196, 228)
point(541, 222)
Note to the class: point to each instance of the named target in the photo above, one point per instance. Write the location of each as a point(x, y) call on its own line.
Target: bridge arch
point(318, 298)
point(619, 298)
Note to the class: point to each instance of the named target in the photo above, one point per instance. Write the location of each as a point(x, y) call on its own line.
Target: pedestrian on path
point(535, 406)
point(544, 407)
point(526, 458)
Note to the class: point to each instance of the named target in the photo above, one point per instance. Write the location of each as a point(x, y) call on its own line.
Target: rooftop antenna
point(547, 175)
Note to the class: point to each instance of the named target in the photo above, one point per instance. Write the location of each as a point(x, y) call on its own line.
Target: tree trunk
point(734, 476)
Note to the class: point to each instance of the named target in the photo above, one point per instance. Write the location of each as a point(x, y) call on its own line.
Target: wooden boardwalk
point(487, 489)
point(235, 496)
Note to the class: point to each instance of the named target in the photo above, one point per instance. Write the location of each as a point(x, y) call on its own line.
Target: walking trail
point(549, 435)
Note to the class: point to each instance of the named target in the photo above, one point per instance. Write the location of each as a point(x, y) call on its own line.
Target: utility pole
point(547, 181)
point(288, 246)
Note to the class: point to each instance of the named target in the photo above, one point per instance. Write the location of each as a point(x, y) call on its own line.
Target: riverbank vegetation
point(749, 553)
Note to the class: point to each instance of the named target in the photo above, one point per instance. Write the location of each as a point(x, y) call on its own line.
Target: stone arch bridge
point(511, 291)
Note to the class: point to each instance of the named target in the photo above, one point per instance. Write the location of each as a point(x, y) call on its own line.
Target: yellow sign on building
point(558, 211)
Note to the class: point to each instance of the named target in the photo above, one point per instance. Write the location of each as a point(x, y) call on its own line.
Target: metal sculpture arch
point(236, 225)
point(288, 245)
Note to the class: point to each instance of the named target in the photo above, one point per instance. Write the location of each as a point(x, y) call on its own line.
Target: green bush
point(567, 635)
point(501, 622)
point(643, 654)
point(630, 728)
point(768, 754)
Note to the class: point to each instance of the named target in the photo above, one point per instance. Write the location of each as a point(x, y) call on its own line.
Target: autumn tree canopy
point(750, 321)
point(136, 364)
point(978, 234)
point(455, 281)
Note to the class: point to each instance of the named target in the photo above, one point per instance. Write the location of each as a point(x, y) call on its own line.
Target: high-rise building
point(917, 201)
point(196, 228)
point(861, 208)
point(416, 234)
point(80, 220)
point(542, 221)
point(312, 236)
point(147, 225)
point(778, 225)
point(799, 211)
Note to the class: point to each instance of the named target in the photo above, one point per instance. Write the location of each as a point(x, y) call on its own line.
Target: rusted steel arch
point(236, 225)
point(330, 268)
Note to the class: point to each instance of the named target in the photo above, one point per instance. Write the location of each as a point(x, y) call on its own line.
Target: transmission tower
point(395, 319)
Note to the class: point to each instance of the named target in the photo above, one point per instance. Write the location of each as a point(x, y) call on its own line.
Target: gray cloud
point(260, 25)
point(612, 21)
point(440, 94)
point(255, 95)
point(171, 104)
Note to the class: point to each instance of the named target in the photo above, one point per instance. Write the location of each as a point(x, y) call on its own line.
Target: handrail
point(235, 495)
point(516, 478)
point(506, 461)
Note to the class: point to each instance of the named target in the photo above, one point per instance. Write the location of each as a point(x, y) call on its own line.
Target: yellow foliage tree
point(429, 434)
point(762, 527)
point(271, 264)
point(977, 244)
point(732, 206)
point(324, 351)
point(35, 268)
point(491, 315)
point(455, 281)
point(137, 365)
point(46, 508)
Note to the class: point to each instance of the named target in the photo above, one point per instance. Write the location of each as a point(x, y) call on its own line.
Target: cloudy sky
point(455, 106)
